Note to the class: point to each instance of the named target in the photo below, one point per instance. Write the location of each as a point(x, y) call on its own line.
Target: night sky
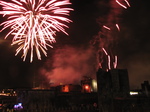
point(75, 56)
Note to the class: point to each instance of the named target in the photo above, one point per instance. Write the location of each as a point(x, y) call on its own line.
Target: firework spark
point(122, 4)
point(118, 27)
point(104, 51)
point(106, 27)
point(109, 62)
point(127, 3)
point(115, 63)
point(34, 23)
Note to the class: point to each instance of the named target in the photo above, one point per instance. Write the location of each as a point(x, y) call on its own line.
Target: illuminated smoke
point(33, 24)
point(70, 64)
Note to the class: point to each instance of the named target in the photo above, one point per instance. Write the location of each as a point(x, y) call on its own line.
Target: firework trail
point(108, 34)
point(124, 6)
point(34, 23)
point(118, 27)
point(106, 27)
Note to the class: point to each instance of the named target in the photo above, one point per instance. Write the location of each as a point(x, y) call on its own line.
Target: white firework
point(33, 23)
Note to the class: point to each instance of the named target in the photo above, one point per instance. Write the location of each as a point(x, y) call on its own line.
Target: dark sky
point(74, 56)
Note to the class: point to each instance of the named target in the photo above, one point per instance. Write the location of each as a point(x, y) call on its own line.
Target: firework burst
point(34, 23)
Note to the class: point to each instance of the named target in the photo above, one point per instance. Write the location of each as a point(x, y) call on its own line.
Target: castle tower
point(111, 84)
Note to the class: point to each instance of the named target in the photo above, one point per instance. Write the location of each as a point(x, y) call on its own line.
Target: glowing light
point(109, 62)
point(106, 27)
point(65, 88)
point(118, 27)
point(104, 51)
point(121, 4)
point(94, 85)
point(134, 93)
point(86, 87)
point(127, 3)
point(115, 63)
point(34, 23)
point(108, 58)
point(94, 82)
point(4, 94)
point(18, 106)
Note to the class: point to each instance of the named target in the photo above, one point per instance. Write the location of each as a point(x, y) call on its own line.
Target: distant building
point(112, 84)
point(57, 101)
point(120, 82)
point(110, 93)
point(7, 99)
point(146, 88)
point(35, 99)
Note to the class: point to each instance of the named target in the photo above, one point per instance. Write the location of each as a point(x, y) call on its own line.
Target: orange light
point(66, 88)
point(86, 87)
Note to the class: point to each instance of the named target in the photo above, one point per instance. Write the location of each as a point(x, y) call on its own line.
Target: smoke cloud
point(69, 65)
